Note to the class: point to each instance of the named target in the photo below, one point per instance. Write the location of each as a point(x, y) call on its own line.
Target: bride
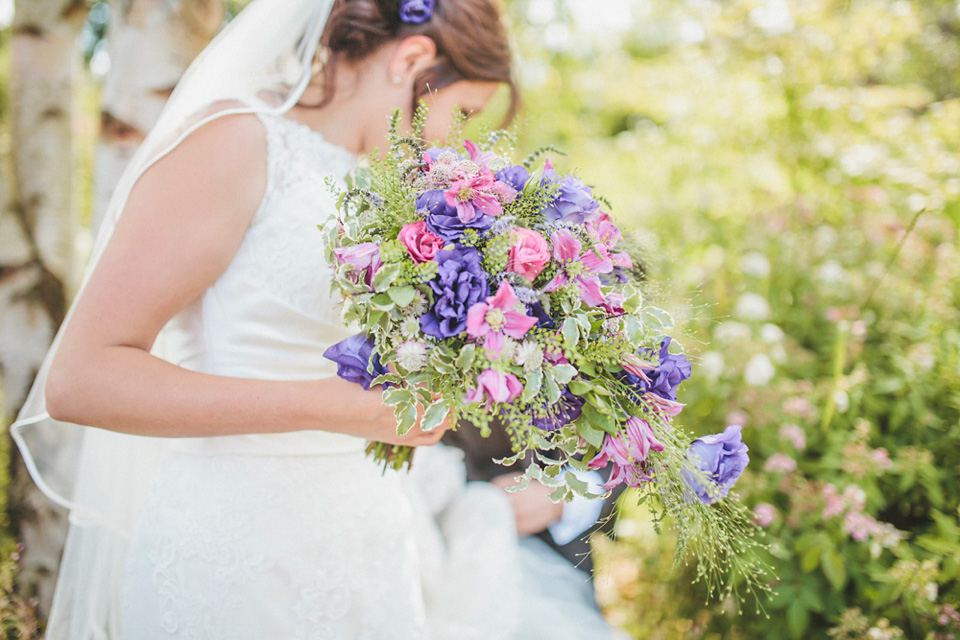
point(225, 492)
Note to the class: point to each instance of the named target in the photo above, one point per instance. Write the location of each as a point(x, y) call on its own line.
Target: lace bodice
point(270, 315)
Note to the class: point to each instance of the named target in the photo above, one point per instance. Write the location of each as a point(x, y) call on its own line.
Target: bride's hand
point(384, 427)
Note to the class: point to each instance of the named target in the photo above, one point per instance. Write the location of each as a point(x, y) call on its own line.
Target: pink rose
point(529, 253)
point(420, 243)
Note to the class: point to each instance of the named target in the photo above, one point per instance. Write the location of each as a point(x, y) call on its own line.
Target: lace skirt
point(251, 547)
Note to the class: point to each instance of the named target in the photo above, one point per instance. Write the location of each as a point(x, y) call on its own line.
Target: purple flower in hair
point(416, 11)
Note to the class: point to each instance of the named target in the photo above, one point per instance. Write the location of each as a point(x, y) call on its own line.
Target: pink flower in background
point(498, 318)
point(835, 504)
point(780, 463)
point(495, 386)
point(855, 496)
point(764, 514)
point(859, 525)
point(420, 243)
point(627, 451)
point(529, 253)
point(797, 405)
point(737, 417)
point(881, 458)
point(795, 434)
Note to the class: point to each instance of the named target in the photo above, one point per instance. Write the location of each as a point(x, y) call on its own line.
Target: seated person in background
point(565, 527)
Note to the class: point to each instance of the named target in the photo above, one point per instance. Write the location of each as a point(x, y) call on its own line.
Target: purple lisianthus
point(565, 411)
point(664, 379)
point(723, 457)
point(574, 200)
point(443, 220)
point(668, 375)
point(353, 357)
point(516, 177)
point(544, 321)
point(459, 284)
point(416, 11)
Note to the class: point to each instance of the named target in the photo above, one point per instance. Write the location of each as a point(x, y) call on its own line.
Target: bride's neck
point(352, 118)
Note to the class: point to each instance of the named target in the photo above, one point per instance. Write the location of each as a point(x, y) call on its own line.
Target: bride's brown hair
point(471, 42)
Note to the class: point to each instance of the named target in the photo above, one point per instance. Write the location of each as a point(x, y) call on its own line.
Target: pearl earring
point(397, 79)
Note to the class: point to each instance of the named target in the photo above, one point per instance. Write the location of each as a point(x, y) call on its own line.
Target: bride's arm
point(182, 226)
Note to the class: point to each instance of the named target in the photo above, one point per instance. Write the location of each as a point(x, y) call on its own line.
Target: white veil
point(260, 62)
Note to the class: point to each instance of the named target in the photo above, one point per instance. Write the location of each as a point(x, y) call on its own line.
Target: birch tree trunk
point(150, 44)
point(36, 257)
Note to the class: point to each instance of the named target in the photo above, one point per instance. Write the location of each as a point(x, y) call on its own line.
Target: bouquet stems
point(393, 456)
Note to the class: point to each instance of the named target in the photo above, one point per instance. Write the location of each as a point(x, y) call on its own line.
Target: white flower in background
point(826, 237)
point(412, 355)
point(771, 333)
point(752, 306)
point(529, 355)
point(731, 331)
point(841, 399)
point(930, 591)
point(755, 264)
point(777, 354)
point(714, 257)
point(759, 371)
point(831, 272)
point(921, 354)
point(711, 366)
point(772, 16)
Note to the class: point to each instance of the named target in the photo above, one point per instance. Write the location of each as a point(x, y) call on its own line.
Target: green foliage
point(796, 179)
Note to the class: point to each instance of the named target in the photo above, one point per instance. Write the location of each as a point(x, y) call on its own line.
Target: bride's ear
point(413, 55)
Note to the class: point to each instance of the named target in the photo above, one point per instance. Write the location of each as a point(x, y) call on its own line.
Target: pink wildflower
point(627, 451)
point(479, 195)
point(498, 318)
point(496, 386)
point(580, 267)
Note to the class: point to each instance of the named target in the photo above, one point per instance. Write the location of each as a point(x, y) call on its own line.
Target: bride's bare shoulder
point(221, 160)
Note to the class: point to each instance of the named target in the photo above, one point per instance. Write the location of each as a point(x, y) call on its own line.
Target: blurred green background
point(790, 171)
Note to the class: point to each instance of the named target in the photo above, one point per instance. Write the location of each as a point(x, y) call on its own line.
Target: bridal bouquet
point(488, 290)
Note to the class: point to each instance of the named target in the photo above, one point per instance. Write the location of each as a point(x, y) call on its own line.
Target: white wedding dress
point(299, 535)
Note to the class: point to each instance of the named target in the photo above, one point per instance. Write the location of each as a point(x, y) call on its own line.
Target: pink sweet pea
point(365, 257)
point(420, 243)
point(496, 386)
point(627, 451)
point(529, 253)
point(498, 317)
point(603, 230)
point(663, 405)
